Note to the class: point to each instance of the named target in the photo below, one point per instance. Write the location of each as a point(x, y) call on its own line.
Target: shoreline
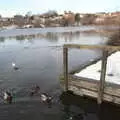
point(100, 30)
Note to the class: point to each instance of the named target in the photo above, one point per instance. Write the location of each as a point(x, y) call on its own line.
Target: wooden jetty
point(100, 90)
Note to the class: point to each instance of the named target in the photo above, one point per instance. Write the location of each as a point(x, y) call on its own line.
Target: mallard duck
point(8, 97)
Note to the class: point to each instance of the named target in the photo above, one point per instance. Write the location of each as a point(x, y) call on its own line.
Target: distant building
point(69, 18)
point(5, 21)
point(38, 19)
point(115, 14)
point(51, 13)
point(99, 20)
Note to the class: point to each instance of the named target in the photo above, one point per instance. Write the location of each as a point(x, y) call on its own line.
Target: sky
point(9, 8)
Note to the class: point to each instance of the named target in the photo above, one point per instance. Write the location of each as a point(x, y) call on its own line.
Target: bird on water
point(14, 66)
point(46, 98)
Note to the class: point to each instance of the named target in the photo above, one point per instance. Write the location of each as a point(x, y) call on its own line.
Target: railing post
point(65, 67)
point(102, 77)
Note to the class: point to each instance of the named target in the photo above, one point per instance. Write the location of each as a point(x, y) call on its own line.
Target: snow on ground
point(112, 73)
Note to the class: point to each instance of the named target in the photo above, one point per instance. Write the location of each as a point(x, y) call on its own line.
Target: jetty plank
point(89, 87)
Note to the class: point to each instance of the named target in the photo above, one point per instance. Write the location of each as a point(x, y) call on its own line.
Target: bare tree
point(77, 18)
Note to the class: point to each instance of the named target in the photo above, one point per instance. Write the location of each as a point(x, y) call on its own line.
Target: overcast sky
point(11, 7)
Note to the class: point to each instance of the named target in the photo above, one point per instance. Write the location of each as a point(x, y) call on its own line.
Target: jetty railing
point(106, 50)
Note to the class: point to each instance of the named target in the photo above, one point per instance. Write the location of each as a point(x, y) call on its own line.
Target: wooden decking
point(89, 87)
point(101, 90)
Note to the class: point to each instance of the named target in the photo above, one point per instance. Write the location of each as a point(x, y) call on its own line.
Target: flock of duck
point(44, 97)
point(9, 97)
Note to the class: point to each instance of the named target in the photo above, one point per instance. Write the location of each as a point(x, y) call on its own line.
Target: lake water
point(38, 54)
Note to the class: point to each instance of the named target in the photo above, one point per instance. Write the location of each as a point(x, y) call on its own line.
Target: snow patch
point(112, 73)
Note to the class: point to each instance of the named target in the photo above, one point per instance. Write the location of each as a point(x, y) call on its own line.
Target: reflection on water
point(2, 39)
point(74, 37)
point(83, 108)
point(53, 37)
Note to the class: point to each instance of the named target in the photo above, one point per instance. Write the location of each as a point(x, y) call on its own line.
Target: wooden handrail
point(103, 47)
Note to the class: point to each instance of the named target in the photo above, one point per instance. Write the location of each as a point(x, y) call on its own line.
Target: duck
point(14, 66)
point(5, 95)
point(8, 97)
point(46, 98)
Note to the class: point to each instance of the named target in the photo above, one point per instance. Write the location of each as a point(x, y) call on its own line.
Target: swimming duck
point(5, 96)
point(8, 97)
point(46, 98)
point(14, 66)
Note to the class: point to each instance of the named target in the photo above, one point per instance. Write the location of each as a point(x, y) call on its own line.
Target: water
point(38, 54)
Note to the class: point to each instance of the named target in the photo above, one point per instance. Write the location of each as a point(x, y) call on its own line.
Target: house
point(69, 18)
point(5, 21)
point(38, 20)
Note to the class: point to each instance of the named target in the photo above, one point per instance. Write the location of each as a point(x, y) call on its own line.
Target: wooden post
point(102, 77)
point(65, 66)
